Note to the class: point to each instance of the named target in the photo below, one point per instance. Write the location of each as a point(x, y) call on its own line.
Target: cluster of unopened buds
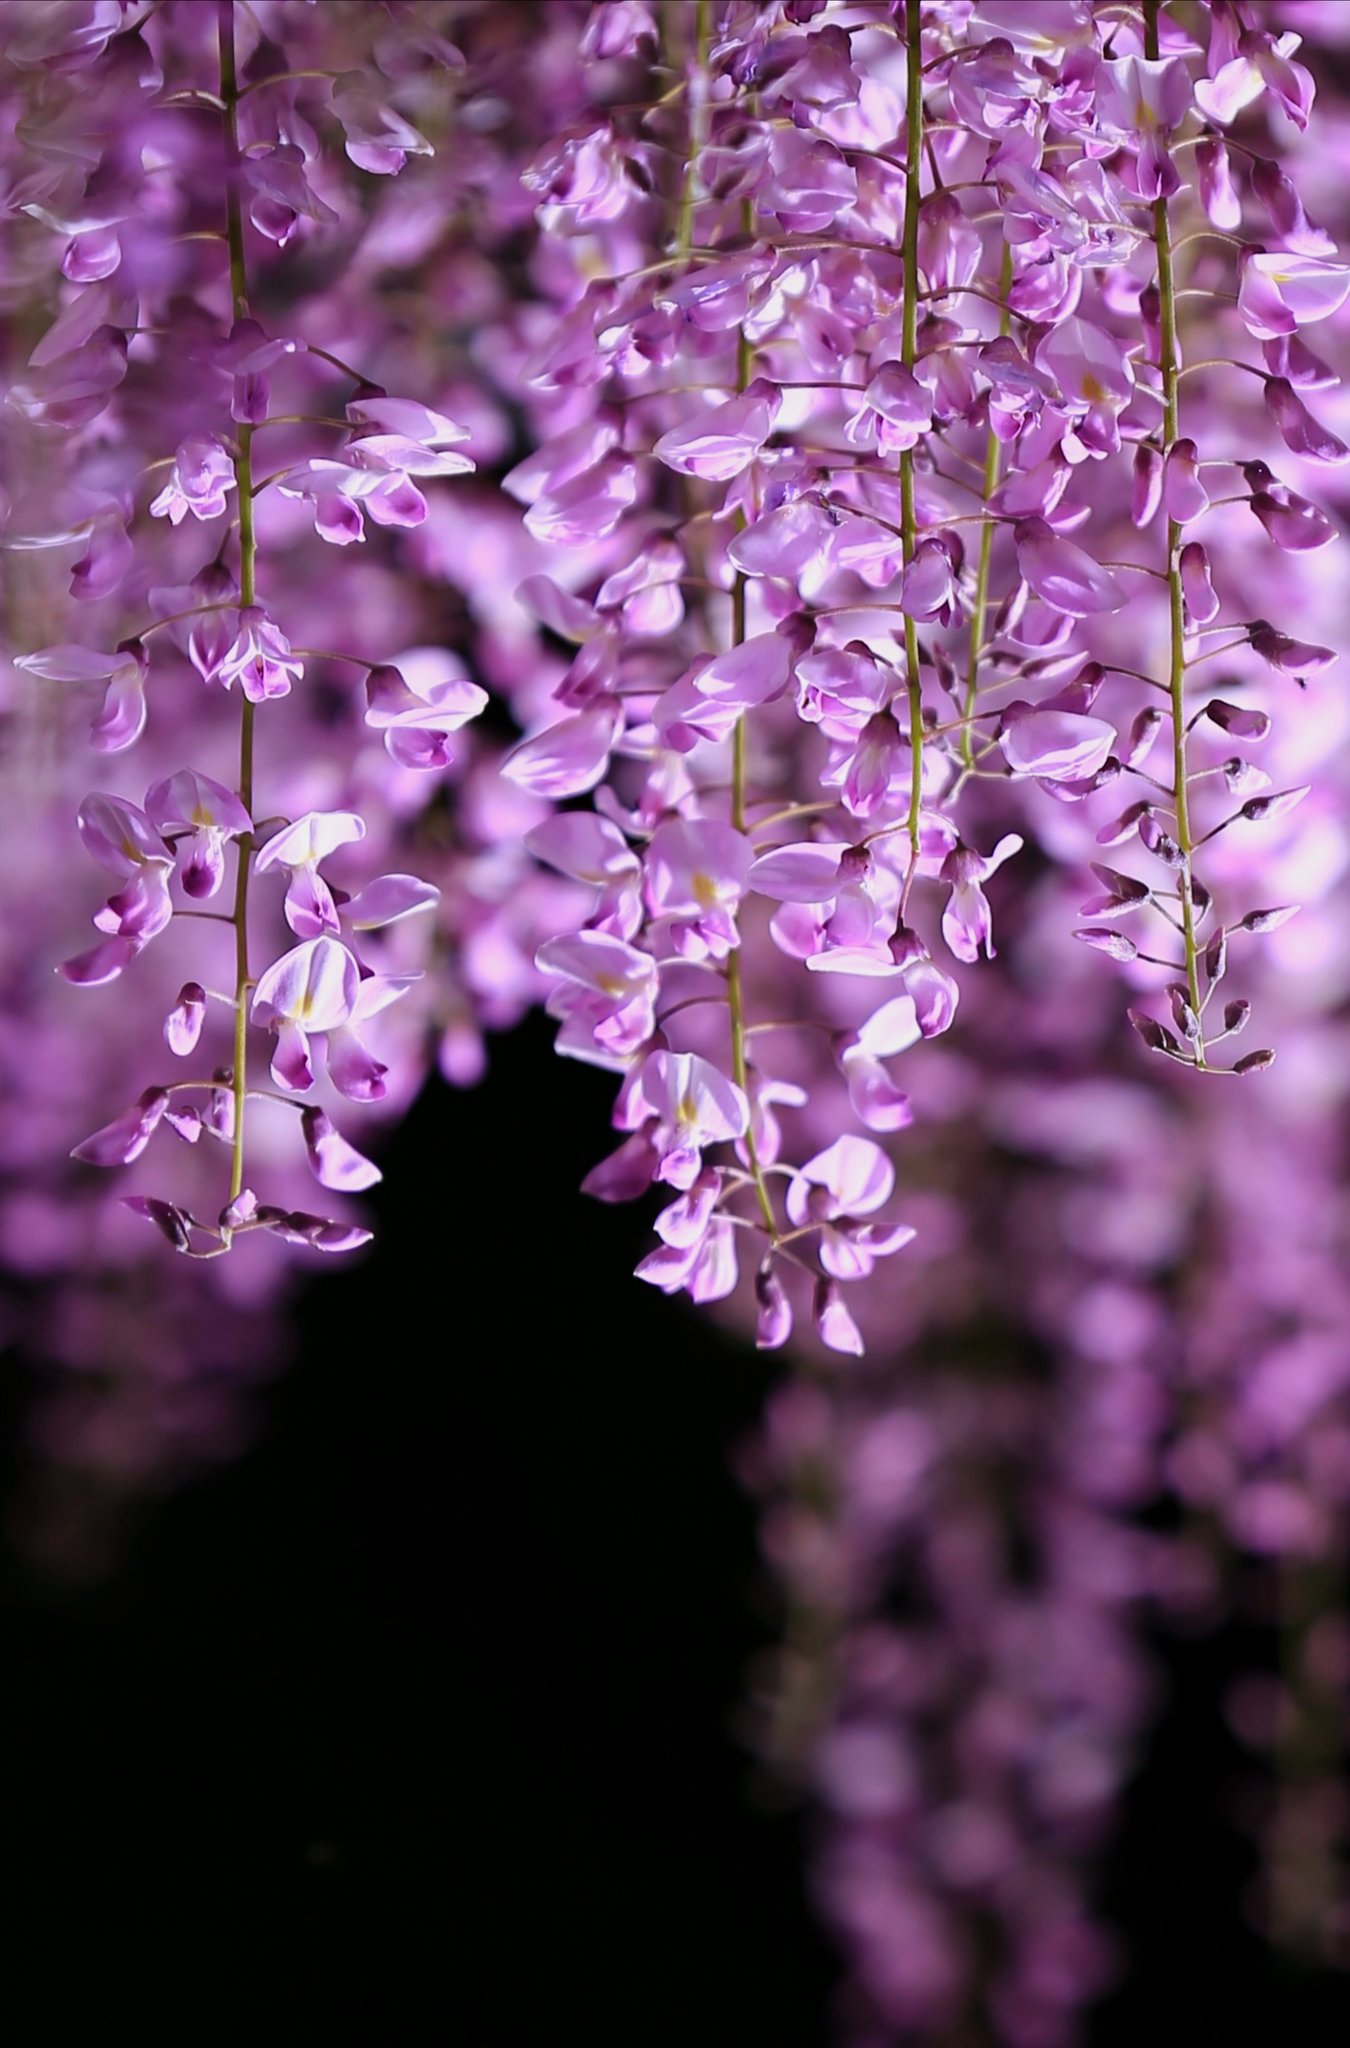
point(883, 316)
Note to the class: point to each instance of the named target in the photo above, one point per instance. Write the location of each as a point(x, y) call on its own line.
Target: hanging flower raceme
point(114, 179)
point(912, 398)
point(943, 352)
point(887, 267)
point(212, 588)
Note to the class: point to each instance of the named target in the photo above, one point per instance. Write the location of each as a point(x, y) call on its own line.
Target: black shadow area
point(413, 1725)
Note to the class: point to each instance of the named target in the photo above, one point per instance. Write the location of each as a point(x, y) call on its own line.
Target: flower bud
point(1268, 920)
point(183, 1025)
point(1258, 808)
point(1238, 719)
point(773, 1325)
point(834, 1325)
point(1105, 940)
point(1156, 1036)
point(1184, 1017)
point(171, 1221)
point(127, 1136)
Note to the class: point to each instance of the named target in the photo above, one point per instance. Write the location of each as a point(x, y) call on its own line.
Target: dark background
point(416, 1724)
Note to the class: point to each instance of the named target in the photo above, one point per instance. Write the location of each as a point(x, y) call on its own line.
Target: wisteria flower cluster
point(813, 523)
point(697, 518)
point(159, 296)
point(848, 400)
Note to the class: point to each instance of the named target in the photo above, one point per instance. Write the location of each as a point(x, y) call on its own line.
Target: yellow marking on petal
point(1093, 388)
point(688, 1110)
point(705, 890)
point(611, 984)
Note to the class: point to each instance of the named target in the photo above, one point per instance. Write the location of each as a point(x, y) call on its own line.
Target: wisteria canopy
point(804, 539)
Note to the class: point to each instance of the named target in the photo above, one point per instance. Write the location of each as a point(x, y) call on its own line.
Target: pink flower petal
point(1063, 574)
point(388, 899)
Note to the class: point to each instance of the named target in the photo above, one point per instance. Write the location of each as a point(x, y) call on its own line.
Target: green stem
point(684, 242)
point(740, 1029)
point(909, 349)
point(282, 78)
point(993, 465)
point(248, 555)
point(684, 237)
point(1170, 366)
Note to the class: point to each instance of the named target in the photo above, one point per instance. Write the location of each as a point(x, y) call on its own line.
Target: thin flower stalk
point(248, 558)
point(1169, 367)
point(909, 344)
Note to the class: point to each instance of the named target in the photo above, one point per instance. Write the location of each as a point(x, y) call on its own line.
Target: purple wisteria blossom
point(922, 469)
point(980, 443)
point(173, 418)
